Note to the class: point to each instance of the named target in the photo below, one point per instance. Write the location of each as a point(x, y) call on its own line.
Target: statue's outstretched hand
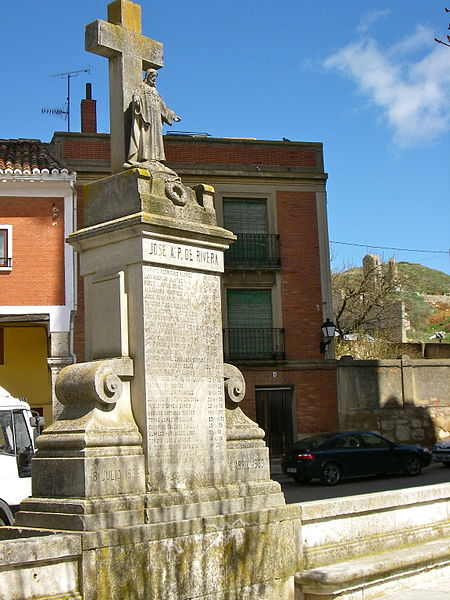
point(177, 118)
point(137, 104)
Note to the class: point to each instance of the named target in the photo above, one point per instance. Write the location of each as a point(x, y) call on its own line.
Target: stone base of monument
point(213, 501)
point(248, 555)
point(245, 555)
point(80, 515)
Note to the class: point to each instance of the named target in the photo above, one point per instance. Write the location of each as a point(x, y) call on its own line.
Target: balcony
point(254, 250)
point(253, 344)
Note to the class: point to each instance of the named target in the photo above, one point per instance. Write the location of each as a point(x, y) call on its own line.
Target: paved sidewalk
point(440, 590)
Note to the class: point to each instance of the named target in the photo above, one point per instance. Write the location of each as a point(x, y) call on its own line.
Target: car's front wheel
point(330, 474)
point(412, 465)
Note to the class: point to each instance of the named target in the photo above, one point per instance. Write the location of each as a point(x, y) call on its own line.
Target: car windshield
point(311, 442)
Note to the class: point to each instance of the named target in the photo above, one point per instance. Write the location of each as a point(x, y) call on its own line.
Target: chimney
point(89, 112)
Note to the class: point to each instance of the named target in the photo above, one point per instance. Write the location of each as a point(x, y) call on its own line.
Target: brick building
point(276, 287)
point(37, 277)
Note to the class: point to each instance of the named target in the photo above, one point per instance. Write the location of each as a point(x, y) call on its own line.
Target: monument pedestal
point(153, 462)
point(248, 555)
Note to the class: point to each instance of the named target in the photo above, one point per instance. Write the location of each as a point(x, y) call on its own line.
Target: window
point(247, 218)
point(6, 433)
point(347, 442)
point(375, 441)
point(5, 247)
point(249, 333)
point(24, 447)
point(249, 308)
point(242, 215)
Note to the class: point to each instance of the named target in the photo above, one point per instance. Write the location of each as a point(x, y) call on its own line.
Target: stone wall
point(406, 400)
point(381, 349)
point(370, 546)
point(34, 565)
point(342, 529)
point(428, 349)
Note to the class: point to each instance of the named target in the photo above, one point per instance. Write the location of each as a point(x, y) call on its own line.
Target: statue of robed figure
point(149, 112)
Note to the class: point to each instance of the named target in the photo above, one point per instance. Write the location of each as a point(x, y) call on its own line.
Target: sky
point(364, 78)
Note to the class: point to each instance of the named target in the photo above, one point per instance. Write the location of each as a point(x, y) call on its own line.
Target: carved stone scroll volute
point(239, 426)
point(248, 456)
point(97, 409)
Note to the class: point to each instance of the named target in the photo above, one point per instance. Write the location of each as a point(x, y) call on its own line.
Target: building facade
point(276, 291)
point(276, 287)
point(37, 271)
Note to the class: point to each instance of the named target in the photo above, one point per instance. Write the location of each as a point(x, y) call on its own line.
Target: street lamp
point(328, 330)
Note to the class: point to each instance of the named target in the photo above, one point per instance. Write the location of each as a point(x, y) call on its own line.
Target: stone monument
point(152, 462)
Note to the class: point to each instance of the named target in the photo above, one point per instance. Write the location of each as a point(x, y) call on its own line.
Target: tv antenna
point(64, 112)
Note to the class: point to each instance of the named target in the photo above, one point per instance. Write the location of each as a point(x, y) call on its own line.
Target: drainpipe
point(74, 310)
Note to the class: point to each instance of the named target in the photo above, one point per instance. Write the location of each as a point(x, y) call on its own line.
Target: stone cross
point(129, 52)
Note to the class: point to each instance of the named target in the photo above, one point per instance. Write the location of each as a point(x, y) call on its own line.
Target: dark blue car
point(332, 456)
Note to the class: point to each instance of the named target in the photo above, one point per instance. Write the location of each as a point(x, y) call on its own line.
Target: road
point(305, 492)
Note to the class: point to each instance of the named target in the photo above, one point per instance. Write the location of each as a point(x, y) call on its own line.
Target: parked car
point(332, 456)
point(441, 452)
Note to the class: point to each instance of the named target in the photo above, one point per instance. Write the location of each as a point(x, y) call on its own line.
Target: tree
point(368, 300)
point(448, 36)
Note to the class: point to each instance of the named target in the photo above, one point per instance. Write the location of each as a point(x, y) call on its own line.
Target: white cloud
point(370, 18)
point(410, 93)
point(422, 37)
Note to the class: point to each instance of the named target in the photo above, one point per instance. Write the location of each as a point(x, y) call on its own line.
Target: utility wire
point(389, 248)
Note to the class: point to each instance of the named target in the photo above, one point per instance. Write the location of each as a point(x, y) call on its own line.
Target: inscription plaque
point(249, 464)
point(182, 255)
point(184, 383)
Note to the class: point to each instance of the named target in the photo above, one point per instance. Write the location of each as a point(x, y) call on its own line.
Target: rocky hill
point(431, 289)
point(424, 291)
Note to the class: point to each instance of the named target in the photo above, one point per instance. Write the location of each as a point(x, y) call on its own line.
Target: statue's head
point(150, 76)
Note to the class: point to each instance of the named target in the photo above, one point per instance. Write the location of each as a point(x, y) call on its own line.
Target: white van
point(19, 427)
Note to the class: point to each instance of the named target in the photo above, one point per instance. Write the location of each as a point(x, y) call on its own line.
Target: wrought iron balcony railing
point(254, 250)
point(253, 344)
point(5, 262)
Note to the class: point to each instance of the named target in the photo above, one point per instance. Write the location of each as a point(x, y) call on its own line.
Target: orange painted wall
point(37, 274)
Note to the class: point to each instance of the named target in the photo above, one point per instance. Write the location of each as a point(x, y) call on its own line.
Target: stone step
point(374, 577)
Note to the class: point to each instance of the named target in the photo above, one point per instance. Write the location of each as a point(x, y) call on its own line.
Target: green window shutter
point(248, 220)
point(249, 308)
point(245, 216)
point(249, 334)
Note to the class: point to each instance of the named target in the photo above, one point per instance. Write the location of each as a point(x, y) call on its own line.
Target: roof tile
point(29, 157)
